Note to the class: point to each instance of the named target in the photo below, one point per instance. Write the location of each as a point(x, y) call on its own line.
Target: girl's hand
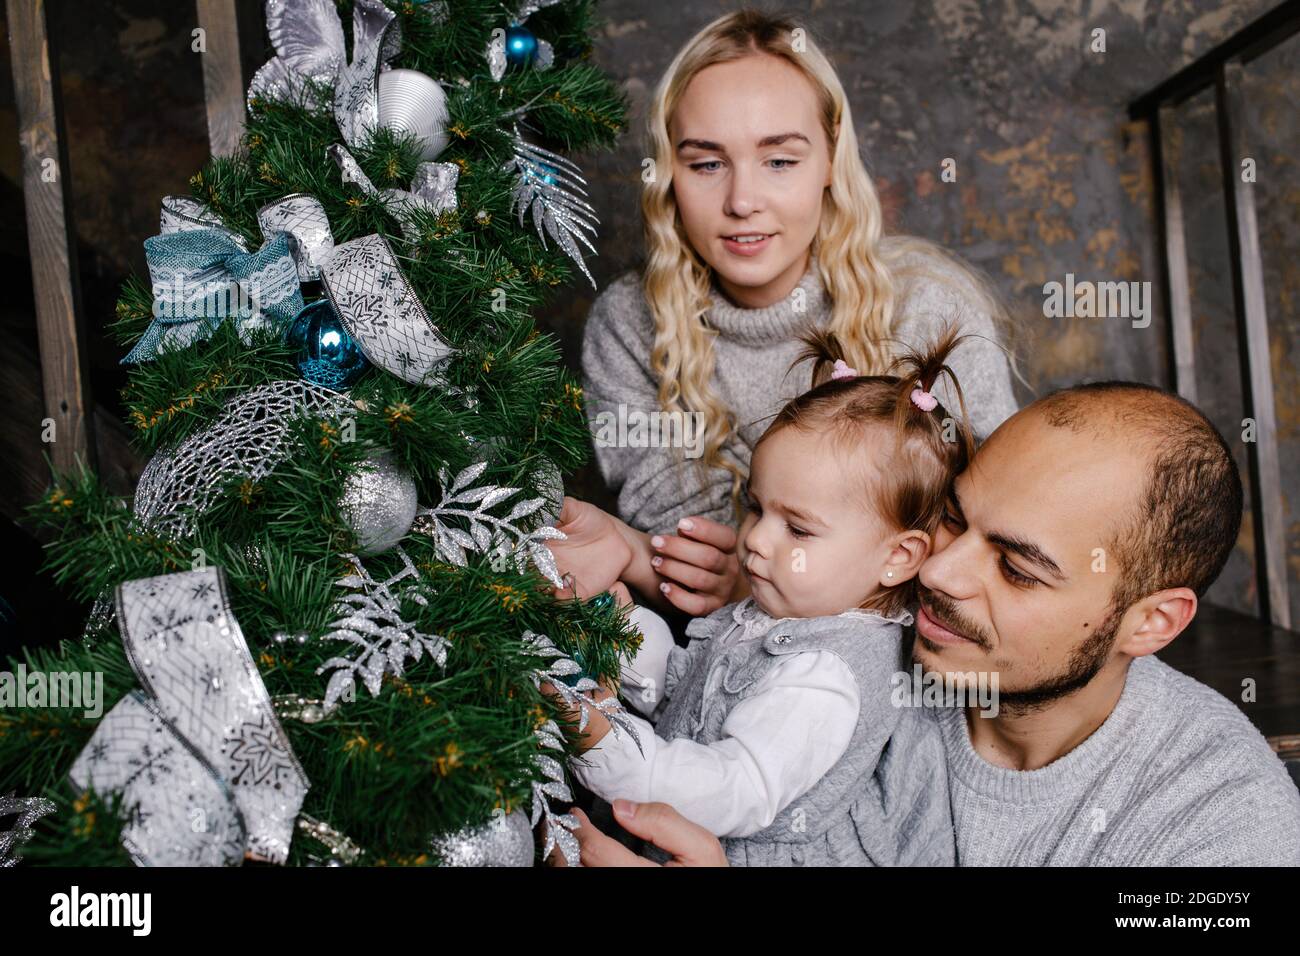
point(597, 724)
point(699, 565)
point(622, 597)
point(594, 554)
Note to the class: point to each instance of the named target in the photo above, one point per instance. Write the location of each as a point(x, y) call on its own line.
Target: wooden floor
point(1224, 649)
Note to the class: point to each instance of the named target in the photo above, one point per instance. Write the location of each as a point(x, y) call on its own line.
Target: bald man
point(1076, 545)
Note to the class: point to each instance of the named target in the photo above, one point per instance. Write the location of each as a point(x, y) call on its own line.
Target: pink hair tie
point(842, 370)
point(923, 399)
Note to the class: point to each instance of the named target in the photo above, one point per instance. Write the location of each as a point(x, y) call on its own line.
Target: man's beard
point(1085, 662)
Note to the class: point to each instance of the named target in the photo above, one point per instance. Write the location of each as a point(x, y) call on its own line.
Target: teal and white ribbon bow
point(201, 277)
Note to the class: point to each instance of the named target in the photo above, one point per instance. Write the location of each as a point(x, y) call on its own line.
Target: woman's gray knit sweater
point(752, 352)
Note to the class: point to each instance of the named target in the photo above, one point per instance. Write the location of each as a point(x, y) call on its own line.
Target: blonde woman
point(760, 222)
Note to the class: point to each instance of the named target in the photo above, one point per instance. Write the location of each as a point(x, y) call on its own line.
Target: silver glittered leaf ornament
point(249, 437)
point(380, 640)
point(26, 810)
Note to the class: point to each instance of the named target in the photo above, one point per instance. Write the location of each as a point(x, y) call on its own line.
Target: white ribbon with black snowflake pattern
point(189, 653)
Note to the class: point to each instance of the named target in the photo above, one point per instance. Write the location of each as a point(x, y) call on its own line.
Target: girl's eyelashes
point(1014, 576)
point(753, 507)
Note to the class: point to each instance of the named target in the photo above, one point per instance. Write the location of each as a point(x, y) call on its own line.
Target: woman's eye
point(797, 532)
point(950, 519)
point(702, 167)
point(1014, 576)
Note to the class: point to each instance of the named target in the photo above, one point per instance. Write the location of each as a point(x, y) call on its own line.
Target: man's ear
point(907, 552)
point(1151, 623)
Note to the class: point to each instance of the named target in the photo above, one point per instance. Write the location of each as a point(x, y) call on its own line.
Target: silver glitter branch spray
point(372, 622)
point(28, 810)
point(487, 532)
point(560, 827)
point(553, 187)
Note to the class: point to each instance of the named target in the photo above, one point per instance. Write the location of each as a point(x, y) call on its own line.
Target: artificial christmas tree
point(323, 619)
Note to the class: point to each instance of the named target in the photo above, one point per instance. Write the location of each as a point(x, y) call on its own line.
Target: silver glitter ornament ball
point(502, 841)
point(379, 503)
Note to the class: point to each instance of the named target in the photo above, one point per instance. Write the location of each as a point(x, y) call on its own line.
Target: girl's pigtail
point(824, 349)
point(918, 371)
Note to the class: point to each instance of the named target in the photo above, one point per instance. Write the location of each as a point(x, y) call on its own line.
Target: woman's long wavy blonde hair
point(851, 262)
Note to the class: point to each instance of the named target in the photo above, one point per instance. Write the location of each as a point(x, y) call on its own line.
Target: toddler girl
point(770, 727)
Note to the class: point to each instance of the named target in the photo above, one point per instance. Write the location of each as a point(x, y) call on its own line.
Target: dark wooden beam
point(1259, 37)
point(26, 475)
point(65, 379)
point(223, 77)
point(1173, 246)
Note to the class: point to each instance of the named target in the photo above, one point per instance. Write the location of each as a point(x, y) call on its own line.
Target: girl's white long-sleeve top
point(775, 744)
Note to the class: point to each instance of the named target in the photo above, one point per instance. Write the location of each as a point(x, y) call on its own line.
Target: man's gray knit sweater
point(753, 350)
point(1176, 776)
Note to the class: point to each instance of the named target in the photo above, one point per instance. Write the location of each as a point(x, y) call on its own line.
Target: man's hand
point(699, 564)
point(594, 553)
point(689, 844)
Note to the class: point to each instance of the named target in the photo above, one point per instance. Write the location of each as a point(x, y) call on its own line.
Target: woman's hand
point(689, 844)
point(698, 564)
point(595, 552)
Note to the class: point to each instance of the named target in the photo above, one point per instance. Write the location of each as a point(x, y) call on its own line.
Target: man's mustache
point(944, 611)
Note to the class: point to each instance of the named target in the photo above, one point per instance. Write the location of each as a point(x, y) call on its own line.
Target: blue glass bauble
point(521, 45)
point(326, 354)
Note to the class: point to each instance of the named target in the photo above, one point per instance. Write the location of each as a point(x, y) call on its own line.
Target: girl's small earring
point(889, 574)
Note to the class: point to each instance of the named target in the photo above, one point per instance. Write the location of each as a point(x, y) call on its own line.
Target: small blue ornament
point(326, 354)
point(572, 679)
point(542, 172)
point(602, 601)
point(521, 45)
